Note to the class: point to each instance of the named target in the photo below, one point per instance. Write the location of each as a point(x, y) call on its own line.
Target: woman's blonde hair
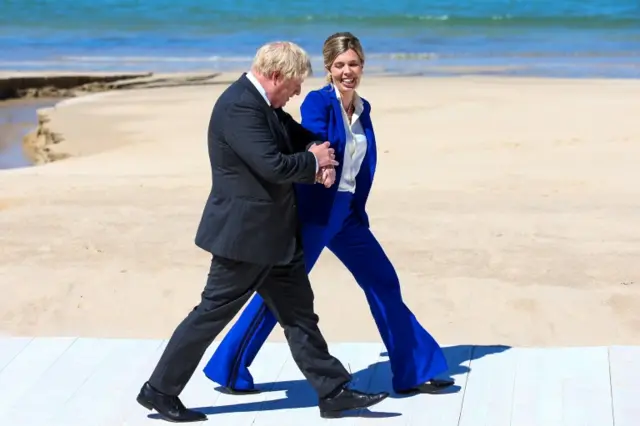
point(282, 57)
point(336, 45)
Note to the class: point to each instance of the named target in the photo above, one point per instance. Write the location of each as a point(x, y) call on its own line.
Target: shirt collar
point(256, 83)
point(357, 101)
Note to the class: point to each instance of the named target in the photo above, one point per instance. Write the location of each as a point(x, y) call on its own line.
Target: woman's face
point(346, 71)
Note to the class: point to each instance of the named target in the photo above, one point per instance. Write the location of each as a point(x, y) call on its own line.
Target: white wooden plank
point(489, 393)
point(25, 369)
point(132, 413)
point(57, 382)
point(241, 409)
point(45, 399)
point(296, 403)
point(441, 410)
point(10, 347)
point(625, 384)
point(106, 397)
point(568, 387)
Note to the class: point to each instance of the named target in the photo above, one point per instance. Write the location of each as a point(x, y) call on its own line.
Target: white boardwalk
point(94, 382)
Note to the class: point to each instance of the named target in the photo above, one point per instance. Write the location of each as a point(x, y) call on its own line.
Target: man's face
point(284, 89)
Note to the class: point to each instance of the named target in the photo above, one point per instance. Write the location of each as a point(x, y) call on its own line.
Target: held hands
point(326, 156)
point(326, 162)
point(326, 176)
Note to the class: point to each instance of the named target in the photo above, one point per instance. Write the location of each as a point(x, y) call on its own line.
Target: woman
point(335, 217)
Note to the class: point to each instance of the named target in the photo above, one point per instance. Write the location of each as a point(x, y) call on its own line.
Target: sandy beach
point(508, 206)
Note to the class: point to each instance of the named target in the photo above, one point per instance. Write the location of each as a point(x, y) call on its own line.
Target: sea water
point(550, 37)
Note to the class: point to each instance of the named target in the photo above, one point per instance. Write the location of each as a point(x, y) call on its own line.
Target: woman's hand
point(326, 176)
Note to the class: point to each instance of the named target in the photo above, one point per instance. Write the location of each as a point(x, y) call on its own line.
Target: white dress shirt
point(263, 93)
point(355, 147)
point(256, 83)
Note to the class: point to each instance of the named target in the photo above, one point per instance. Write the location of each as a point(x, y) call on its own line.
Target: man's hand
point(326, 176)
point(325, 155)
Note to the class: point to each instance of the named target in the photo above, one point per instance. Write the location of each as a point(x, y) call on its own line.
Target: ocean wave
point(455, 19)
point(133, 59)
point(220, 23)
point(371, 58)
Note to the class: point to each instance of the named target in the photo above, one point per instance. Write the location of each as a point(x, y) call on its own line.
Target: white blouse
point(355, 148)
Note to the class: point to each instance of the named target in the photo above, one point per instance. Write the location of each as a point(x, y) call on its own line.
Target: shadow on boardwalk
point(376, 377)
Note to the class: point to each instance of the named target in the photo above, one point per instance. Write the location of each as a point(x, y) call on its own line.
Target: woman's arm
point(313, 129)
point(315, 115)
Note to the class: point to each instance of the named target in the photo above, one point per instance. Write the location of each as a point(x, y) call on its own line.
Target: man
point(249, 225)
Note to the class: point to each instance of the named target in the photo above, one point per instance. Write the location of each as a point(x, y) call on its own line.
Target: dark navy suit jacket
point(256, 155)
point(322, 115)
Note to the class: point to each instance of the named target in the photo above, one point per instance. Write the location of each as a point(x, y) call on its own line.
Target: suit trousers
point(414, 354)
point(230, 284)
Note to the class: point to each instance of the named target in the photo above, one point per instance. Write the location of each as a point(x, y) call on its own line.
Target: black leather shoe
point(348, 399)
point(433, 386)
point(233, 391)
point(168, 407)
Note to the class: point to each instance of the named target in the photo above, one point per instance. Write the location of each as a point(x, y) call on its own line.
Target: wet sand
point(17, 118)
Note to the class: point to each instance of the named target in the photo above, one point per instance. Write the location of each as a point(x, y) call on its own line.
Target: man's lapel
point(278, 115)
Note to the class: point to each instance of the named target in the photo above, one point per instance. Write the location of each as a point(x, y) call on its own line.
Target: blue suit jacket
point(321, 114)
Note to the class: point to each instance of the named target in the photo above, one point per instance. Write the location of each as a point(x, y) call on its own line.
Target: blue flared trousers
point(414, 355)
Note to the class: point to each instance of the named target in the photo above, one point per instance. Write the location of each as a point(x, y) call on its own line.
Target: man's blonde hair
point(282, 57)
